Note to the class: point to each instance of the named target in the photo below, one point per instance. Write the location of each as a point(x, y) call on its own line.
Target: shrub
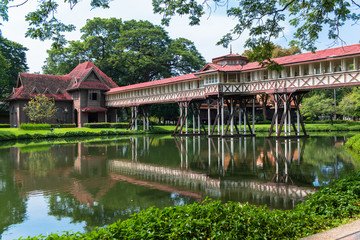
point(4, 125)
point(106, 125)
point(35, 126)
point(67, 125)
point(4, 136)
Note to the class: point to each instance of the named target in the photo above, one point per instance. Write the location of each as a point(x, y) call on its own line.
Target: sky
point(204, 36)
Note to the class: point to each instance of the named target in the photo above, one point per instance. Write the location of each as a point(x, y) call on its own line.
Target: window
point(210, 79)
point(93, 96)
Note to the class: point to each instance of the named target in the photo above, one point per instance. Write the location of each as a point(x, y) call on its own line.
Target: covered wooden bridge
point(231, 82)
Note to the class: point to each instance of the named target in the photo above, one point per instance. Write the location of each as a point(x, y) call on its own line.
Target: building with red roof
point(79, 96)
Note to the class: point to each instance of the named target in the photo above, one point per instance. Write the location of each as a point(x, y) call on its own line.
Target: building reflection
point(117, 178)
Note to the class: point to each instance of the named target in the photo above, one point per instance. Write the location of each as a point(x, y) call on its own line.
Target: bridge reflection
point(221, 159)
point(258, 170)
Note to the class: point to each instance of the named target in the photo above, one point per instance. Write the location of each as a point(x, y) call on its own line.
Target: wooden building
point(79, 96)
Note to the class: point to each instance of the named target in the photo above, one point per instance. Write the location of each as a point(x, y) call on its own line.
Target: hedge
point(35, 126)
point(4, 125)
point(106, 125)
point(44, 126)
point(65, 125)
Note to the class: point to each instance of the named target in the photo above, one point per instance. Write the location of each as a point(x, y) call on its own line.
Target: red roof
point(82, 71)
point(165, 81)
point(31, 84)
point(56, 87)
point(322, 55)
point(229, 56)
point(93, 109)
point(333, 53)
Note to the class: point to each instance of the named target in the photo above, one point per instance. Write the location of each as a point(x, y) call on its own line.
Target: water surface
point(75, 186)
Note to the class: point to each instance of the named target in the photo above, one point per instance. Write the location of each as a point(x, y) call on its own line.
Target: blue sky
point(205, 36)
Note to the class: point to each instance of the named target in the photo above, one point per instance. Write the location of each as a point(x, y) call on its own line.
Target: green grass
point(7, 134)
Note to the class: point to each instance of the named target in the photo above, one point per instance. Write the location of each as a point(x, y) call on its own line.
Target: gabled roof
point(83, 70)
point(30, 85)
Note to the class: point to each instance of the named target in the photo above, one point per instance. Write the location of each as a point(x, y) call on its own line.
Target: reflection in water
point(97, 183)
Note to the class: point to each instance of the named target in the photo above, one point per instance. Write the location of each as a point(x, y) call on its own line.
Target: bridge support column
point(209, 116)
point(242, 103)
point(186, 118)
point(218, 114)
point(133, 120)
point(194, 123)
point(182, 121)
point(222, 116)
point(217, 118)
point(284, 129)
point(230, 103)
point(240, 113)
point(253, 116)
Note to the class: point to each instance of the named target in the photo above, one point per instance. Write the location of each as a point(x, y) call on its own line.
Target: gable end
point(34, 91)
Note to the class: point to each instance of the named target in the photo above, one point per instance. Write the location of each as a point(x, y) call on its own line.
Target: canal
point(74, 186)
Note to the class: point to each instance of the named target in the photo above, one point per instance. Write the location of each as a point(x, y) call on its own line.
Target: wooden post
point(276, 113)
point(240, 113)
point(218, 112)
point(181, 113)
point(198, 112)
point(285, 112)
point(232, 118)
point(253, 117)
point(298, 121)
point(245, 120)
point(147, 120)
point(209, 117)
point(194, 124)
point(222, 115)
point(186, 117)
point(135, 116)
point(144, 120)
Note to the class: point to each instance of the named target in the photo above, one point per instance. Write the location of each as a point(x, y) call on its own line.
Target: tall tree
point(12, 61)
point(129, 52)
point(263, 19)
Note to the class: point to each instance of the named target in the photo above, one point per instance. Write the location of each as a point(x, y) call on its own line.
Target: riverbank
point(331, 206)
point(7, 134)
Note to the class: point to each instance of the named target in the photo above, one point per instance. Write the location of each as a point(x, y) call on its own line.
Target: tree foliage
point(319, 105)
point(12, 61)
point(40, 109)
point(350, 104)
point(264, 20)
point(129, 52)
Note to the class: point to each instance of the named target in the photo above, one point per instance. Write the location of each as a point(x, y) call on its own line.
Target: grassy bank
point(333, 205)
point(19, 134)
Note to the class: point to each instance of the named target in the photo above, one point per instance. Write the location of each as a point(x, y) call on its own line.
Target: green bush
point(106, 125)
point(35, 126)
point(67, 125)
point(4, 125)
point(5, 136)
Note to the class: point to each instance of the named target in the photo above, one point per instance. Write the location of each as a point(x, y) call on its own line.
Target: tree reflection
point(101, 182)
point(121, 201)
point(12, 205)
